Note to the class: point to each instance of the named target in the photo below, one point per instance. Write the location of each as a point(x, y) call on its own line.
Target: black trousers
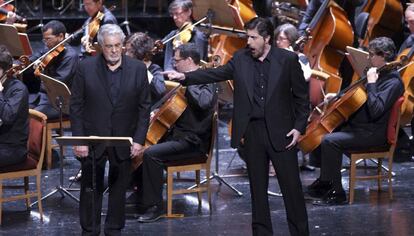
point(11, 155)
point(334, 145)
point(258, 151)
point(119, 174)
point(153, 165)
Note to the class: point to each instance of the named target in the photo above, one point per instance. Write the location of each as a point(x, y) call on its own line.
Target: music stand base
point(220, 180)
point(59, 189)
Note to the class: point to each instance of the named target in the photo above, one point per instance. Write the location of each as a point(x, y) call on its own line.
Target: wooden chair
point(191, 165)
point(31, 167)
point(380, 153)
point(50, 126)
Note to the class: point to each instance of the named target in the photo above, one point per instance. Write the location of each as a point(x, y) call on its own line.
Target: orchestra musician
point(10, 16)
point(14, 114)
point(92, 7)
point(366, 128)
point(62, 67)
point(139, 46)
point(110, 97)
point(271, 106)
point(409, 19)
point(188, 139)
point(181, 11)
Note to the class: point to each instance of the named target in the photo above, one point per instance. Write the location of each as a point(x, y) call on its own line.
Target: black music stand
point(12, 41)
point(126, 23)
point(92, 142)
point(59, 95)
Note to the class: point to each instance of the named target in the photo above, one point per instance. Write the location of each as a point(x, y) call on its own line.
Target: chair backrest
point(394, 121)
point(37, 136)
point(361, 24)
point(213, 138)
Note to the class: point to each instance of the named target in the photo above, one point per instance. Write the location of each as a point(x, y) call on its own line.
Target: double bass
point(385, 18)
point(407, 75)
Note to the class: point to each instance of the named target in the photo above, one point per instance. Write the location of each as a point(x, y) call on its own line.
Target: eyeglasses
point(175, 60)
point(48, 39)
point(176, 13)
point(280, 38)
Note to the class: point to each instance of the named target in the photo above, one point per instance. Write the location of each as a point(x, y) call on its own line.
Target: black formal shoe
point(319, 188)
point(333, 197)
point(152, 214)
point(132, 199)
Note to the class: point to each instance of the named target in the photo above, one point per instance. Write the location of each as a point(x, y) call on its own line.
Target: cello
point(407, 75)
point(337, 111)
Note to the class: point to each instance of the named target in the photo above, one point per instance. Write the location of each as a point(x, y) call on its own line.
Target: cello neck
point(318, 14)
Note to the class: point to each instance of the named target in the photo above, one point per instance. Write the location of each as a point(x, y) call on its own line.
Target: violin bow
point(5, 3)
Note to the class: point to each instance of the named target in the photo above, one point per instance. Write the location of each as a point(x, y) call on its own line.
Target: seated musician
point(181, 11)
point(409, 19)
point(188, 139)
point(62, 67)
point(14, 114)
point(139, 46)
point(92, 7)
point(285, 37)
point(365, 129)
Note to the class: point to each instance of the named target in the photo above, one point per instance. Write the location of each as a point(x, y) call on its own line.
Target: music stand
point(358, 59)
point(126, 23)
point(59, 95)
point(92, 142)
point(223, 14)
point(12, 41)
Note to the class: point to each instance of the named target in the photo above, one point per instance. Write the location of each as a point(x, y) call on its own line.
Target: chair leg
point(352, 180)
point(208, 188)
point(48, 148)
point(26, 191)
point(379, 173)
point(169, 193)
point(390, 193)
point(197, 180)
point(1, 200)
point(39, 195)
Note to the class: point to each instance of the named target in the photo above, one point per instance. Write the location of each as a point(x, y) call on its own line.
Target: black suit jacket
point(287, 100)
point(93, 112)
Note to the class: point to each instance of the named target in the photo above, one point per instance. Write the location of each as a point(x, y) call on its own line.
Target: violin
point(48, 58)
point(15, 69)
point(6, 9)
point(93, 28)
point(182, 37)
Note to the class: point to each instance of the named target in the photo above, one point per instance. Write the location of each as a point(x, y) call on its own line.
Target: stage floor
point(372, 213)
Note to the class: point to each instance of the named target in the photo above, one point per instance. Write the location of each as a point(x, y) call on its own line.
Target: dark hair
point(263, 26)
point(290, 31)
point(6, 60)
point(56, 26)
point(184, 4)
point(384, 47)
point(141, 45)
point(189, 50)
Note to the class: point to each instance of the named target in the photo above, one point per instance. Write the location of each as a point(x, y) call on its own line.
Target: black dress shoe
point(333, 197)
point(152, 214)
point(319, 188)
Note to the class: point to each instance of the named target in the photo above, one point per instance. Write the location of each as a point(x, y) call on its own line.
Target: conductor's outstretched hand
point(174, 75)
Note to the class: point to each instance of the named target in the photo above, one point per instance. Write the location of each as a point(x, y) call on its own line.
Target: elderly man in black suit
point(271, 107)
point(110, 98)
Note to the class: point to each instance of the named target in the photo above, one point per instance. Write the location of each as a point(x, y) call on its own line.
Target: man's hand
point(174, 75)
point(295, 134)
point(328, 97)
point(136, 150)
point(1, 87)
point(372, 75)
point(81, 151)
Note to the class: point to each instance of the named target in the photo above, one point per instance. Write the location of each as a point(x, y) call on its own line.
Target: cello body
point(336, 114)
point(162, 121)
point(407, 75)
